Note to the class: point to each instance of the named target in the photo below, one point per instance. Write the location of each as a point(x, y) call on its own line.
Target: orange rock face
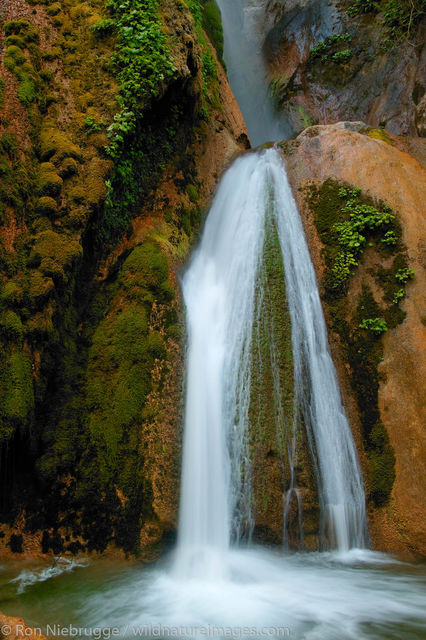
point(15, 629)
point(347, 152)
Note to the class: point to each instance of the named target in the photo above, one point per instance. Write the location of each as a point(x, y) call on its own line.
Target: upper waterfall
point(243, 24)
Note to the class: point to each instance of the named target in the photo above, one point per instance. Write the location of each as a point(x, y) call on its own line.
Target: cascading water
point(317, 392)
point(219, 289)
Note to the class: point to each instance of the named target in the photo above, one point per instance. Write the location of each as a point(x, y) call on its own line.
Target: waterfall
point(219, 289)
point(317, 394)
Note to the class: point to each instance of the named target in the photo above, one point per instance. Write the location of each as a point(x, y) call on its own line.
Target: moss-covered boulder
point(55, 145)
point(55, 253)
point(46, 206)
point(49, 183)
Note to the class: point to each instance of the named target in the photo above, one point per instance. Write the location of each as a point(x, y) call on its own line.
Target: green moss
point(49, 183)
point(381, 460)
point(46, 206)
point(212, 25)
point(55, 253)
point(53, 54)
point(17, 41)
point(104, 28)
point(271, 397)
point(119, 359)
point(40, 287)
point(192, 192)
point(56, 146)
point(11, 326)
point(14, 57)
point(11, 292)
point(380, 134)
point(27, 90)
point(348, 221)
point(16, 184)
point(17, 393)
point(23, 28)
point(68, 168)
point(54, 9)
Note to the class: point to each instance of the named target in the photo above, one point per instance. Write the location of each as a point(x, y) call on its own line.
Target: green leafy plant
point(399, 295)
point(92, 126)
point(348, 221)
point(342, 57)
point(399, 18)
point(327, 50)
point(363, 6)
point(403, 275)
point(376, 325)
point(390, 239)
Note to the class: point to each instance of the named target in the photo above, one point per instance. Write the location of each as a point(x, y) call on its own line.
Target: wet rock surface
point(379, 82)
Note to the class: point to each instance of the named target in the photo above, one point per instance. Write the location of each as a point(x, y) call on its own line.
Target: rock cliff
point(353, 60)
point(333, 160)
point(116, 121)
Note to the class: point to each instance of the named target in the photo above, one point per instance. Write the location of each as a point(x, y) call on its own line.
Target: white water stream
point(219, 290)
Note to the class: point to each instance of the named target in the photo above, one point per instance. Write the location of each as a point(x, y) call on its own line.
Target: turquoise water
point(327, 596)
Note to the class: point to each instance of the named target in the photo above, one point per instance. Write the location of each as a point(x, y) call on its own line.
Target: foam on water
point(60, 565)
point(359, 595)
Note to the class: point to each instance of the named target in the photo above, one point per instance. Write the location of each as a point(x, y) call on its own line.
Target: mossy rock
point(68, 168)
point(94, 19)
point(54, 9)
point(53, 54)
point(58, 21)
point(14, 57)
point(67, 28)
point(380, 134)
point(56, 146)
point(12, 292)
point(98, 140)
point(18, 401)
point(41, 223)
point(120, 361)
point(11, 326)
point(56, 253)
point(23, 28)
point(77, 194)
point(41, 324)
point(71, 60)
point(27, 90)
point(86, 100)
point(95, 189)
point(148, 264)
point(40, 287)
point(192, 192)
point(16, 41)
point(76, 218)
point(46, 206)
point(49, 183)
point(80, 10)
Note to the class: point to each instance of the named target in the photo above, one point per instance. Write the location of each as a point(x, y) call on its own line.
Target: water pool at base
point(258, 593)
